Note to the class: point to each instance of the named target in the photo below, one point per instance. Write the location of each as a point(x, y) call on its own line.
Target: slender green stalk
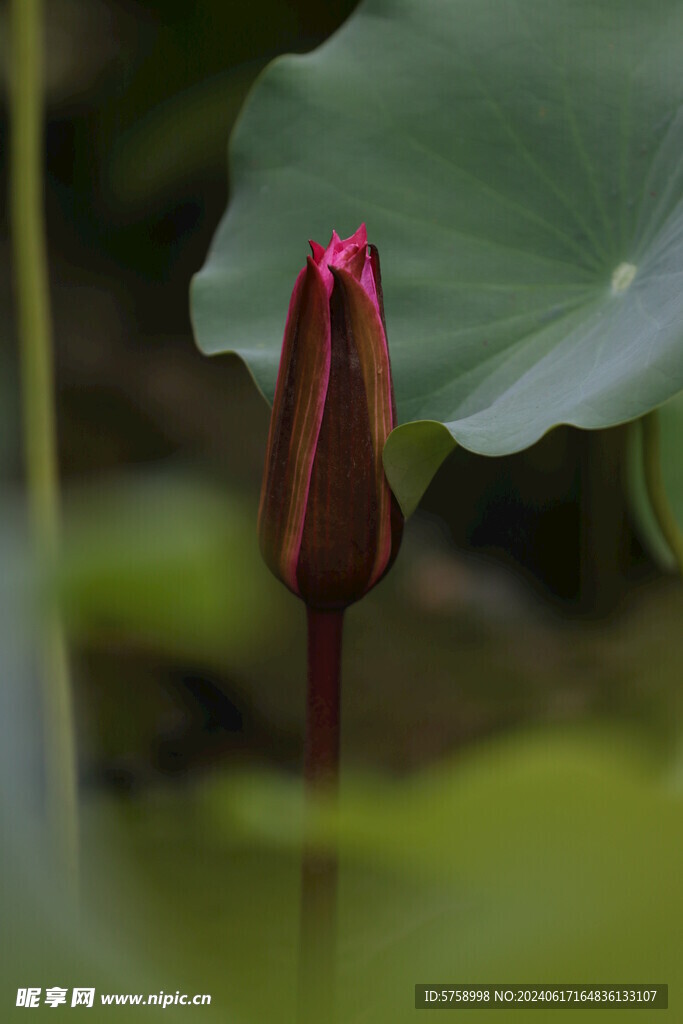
point(654, 482)
point(35, 342)
point(321, 779)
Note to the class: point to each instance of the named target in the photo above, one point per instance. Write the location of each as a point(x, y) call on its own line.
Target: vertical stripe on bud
point(295, 424)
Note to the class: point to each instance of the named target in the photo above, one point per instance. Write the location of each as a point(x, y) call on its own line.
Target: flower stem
point(654, 482)
point(321, 781)
point(35, 343)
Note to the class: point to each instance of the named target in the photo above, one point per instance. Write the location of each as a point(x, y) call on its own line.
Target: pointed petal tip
point(344, 277)
point(313, 265)
point(360, 235)
point(317, 250)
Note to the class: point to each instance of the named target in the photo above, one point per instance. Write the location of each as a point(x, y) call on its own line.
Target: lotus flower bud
point(329, 525)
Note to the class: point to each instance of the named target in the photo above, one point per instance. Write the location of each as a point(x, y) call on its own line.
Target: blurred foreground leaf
point(547, 858)
point(172, 564)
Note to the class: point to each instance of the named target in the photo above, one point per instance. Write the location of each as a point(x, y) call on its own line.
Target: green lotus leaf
point(519, 166)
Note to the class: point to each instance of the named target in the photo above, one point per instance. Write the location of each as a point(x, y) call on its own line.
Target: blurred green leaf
point(179, 138)
point(671, 431)
point(545, 857)
point(171, 564)
point(518, 167)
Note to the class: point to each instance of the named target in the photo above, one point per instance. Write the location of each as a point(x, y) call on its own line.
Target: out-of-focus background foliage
point(511, 707)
